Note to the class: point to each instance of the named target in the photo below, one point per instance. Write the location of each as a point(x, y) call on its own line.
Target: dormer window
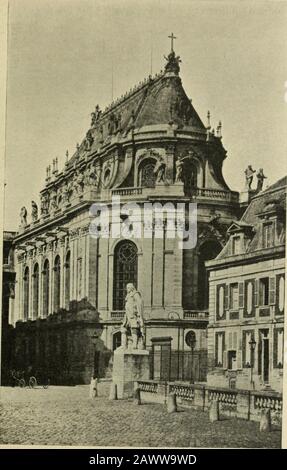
point(236, 245)
point(268, 235)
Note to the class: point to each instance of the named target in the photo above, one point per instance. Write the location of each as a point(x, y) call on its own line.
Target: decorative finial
point(219, 128)
point(208, 119)
point(67, 157)
point(78, 147)
point(172, 37)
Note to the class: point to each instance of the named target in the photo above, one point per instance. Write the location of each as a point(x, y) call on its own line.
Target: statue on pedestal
point(249, 176)
point(23, 216)
point(133, 324)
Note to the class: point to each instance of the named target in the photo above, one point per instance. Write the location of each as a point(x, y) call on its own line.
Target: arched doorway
point(125, 271)
point(207, 251)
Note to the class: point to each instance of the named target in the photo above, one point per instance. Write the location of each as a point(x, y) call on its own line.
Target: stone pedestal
point(129, 366)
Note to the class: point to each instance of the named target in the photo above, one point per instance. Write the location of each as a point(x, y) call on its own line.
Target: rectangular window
point(231, 360)
point(268, 238)
point(264, 291)
point(234, 297)
point(236, 245)
point(278, 347)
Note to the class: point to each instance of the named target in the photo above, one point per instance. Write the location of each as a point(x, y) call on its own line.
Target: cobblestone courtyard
point(66, 416)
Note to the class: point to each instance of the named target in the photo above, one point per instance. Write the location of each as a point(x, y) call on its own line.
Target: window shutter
point(241, 295)
point(256, 293)
point(226, 297)
point(217, 302)
point(272, 290)
point(224, 359)
point(275, 348)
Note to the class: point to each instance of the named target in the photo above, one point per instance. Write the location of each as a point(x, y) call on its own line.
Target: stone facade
point(149, 146)
point(246, 303)
point(8, 294)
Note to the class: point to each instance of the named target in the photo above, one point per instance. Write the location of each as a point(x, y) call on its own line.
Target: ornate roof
point(157, 100)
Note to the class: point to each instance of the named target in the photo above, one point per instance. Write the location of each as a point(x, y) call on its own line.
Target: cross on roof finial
point(172, 37)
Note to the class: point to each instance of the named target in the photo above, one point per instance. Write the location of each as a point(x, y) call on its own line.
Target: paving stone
point(67, 416)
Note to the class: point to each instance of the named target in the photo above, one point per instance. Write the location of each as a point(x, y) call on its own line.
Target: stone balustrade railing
point(127, 191)
point(244, 404)
point(117, 314)
point(195, 314)
point(183, 391)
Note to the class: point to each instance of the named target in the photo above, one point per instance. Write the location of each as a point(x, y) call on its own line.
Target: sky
point(62, 55)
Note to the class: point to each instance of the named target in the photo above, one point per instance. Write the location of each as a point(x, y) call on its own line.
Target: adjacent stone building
point(246, 302)
point(8, 294)
point(148, 146)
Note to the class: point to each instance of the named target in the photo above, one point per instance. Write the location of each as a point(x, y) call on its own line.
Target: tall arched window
point(57, 283)
point(46, 284)
point(26, 293)
point(125, 271)
point(146, 173)
point(189, 177)
point(36, 291)
point(67, 280)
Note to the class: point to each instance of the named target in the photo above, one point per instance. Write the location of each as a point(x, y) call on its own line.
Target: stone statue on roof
point(173, 62)
point(23, 216)
point(44, 208)
point(260, 179)
point(95, 115)
point(34, 212)
point(249, 176)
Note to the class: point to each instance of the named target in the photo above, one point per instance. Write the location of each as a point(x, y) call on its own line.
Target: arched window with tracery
point(26, 293)
point(67, 280)
point(46, 285)
point(57, 283)
point(36, 291)
point(147, 177)
point(125, 271)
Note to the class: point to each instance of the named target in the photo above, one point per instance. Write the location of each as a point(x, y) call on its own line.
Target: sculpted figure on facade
point(89, 141)
point(159, 171)
point(79, 182)
point(34, 212)
point(260, 179)
point(23, 216)
point(178, 171)
point(91, 176)
point(44, 204)
point(133, 324)
point(53, 200)
point(249, 176)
